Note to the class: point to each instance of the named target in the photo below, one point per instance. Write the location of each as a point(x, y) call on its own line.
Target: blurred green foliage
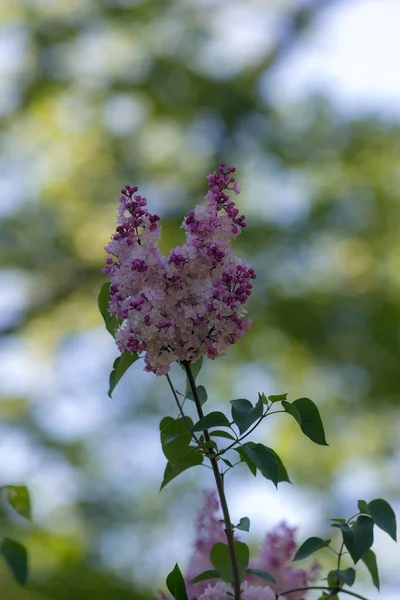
point(100, 93)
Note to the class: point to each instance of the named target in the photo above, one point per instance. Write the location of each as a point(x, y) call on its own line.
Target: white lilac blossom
point(191, 303)
point(276, 553)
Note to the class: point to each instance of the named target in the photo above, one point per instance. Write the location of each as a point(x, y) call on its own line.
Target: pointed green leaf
point(369, 560)
point(111, 321)
point(363, 507)
point(265, 460)
point(263, 574)
point(175, 438)
point(192, 459)
point(338, 521)
point(310, 546)
point(178, 426)
point(277, 397)
point(201, 393)
point(244, 414)
point(220, 559)
point(16, 557)
point(213, 419)
point(363, 532)
point(311, 424)
point(358, 538)
point(383, 516)
point(211, 574)
point(243, 557)
point(176, 584)
point(263, 398)
point(223, 434)
point(18, 498)
point(244, 524)
point(282, 473)
point(292, 410)
point(121, 364)
point(348, 539)
point(247, 460)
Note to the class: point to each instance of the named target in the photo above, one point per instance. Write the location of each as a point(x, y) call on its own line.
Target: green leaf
point(333, 580)
point(282, 473)
point(277, 397)
point(383, 516)
point(265, 460)
point(175, 438)
point(244, 414)
point(347, 576)
point(244, 524)
point(310, 546)
point(202, 394)
point(359, 537)
point(363, 533)
point(227, 462)
point(213, 419)
point(363, 507)
point(292, 410)
point(111, 321)
point(310, 420)
point(192, 459)
point(221, 561)
point(369, 560)
point(121, 364)
point(220, 558)
point(263, 574)
point(223, 434)
point(263, 398)
point(16, 557)
point(338, 521)
point(176, 584)
point(243, 557)
point(211, 574)
point(18, 498)
point(247, 460)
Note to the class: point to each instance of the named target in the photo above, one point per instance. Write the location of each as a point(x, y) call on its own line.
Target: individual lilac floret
point(190, 303)
point(275, 557)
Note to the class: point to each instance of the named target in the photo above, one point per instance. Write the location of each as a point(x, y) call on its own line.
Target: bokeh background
point(303, 97)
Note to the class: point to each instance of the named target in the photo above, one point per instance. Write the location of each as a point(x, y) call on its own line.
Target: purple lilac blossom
point(277, 551)
point(191, 303)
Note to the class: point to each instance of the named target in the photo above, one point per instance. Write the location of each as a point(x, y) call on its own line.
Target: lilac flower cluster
point(277, 550)
point(191, 303)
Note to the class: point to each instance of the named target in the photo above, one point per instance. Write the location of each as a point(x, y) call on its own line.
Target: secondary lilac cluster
point(190, 303)
point(276, 553)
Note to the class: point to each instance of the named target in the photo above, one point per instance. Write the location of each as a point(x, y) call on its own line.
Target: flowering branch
point(179, 308)
point(220, 488)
